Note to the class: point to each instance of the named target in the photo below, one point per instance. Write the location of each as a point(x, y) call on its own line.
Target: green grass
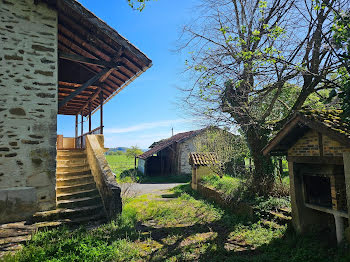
point(180, 226)
point(123, 167)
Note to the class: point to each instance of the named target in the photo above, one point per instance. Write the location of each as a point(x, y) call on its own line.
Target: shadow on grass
point(198, 241)
point(314, 246)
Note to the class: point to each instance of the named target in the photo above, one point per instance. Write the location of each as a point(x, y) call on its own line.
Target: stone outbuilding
point(317, 146)
point(202, 164)
point(56, 57)
point(169, 156)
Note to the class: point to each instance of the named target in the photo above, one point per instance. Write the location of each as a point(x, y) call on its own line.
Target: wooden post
point(135, 167)
point(76, 125)
point(76, 130)
point(101, 112)
point(82, 130)
point(161, 163)
point(89, 117)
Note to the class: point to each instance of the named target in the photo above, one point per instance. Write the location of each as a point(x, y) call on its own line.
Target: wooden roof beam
point(78, 48)
point(90, 100)
point(86, 60)
point(94, 69)
point(74, 85)
point(91, 81)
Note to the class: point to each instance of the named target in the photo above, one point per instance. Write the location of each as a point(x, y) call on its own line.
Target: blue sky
point(146, 110)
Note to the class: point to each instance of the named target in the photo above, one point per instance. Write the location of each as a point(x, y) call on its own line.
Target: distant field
point(122, 166)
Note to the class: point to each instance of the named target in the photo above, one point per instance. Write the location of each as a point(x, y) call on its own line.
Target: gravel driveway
point(141, 189)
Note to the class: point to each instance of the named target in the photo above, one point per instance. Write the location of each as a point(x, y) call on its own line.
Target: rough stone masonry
point(28, 108)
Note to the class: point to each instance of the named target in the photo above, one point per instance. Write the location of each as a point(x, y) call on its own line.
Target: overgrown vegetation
point(238, 189)
point(180, 226)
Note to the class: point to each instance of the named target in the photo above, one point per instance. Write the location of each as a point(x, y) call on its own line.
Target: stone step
point(70, 155)
point(71, 150)
point(79, 202)
point(79, 194)
point(72, 168)
point(75, 188)
point(74, 173)
point(72, 162)
point(67, 213)
point(74, 180)
point(98, 218)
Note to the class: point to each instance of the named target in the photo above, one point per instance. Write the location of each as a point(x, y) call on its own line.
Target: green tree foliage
point(134, 151)
point(255, 63)
point(138, 4)
point(341, 29)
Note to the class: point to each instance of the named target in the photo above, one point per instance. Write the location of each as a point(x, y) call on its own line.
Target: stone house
point(317, 146)
point(170, 156)
point(56, 57)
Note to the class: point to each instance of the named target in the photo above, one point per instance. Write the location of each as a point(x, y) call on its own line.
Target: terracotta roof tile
point(169, 141)
point(203, 159)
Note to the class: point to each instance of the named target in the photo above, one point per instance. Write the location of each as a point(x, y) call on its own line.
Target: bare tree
point(255, 63)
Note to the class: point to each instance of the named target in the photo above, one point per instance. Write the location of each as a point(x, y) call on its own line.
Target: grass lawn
point(179, 226)
point(122, 166)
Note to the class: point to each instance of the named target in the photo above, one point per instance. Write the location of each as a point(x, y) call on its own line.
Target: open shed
point(169, 156)
point(317, 146)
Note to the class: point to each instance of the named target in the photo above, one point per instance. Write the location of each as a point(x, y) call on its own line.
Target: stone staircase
point(77, 198)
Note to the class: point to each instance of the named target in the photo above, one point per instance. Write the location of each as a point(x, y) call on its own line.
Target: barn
point(169, 156)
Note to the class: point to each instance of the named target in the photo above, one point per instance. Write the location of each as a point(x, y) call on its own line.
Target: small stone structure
point(56, 57)
point(317, 146)
point(200, 163)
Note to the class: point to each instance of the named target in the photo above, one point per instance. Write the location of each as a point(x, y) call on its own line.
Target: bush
point(281, 187)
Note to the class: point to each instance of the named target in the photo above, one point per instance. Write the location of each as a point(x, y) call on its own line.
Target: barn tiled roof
point(167, 142)
point(203, 159)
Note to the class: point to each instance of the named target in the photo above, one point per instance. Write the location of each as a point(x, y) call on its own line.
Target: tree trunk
point(263, 178)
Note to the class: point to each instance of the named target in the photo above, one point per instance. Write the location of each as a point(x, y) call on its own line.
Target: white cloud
point(144, 126)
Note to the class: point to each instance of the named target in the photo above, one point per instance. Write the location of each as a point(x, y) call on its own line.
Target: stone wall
point(308, 145)
point(184, 150)
point(28, 107)
point(103, 176)
point(332, 147)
